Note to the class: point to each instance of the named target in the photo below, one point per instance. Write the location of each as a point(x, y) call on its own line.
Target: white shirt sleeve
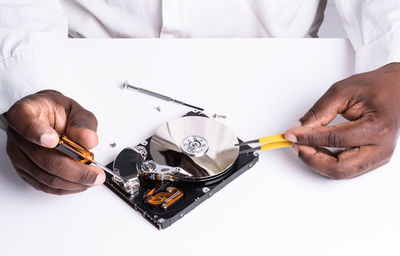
point(373, 27)
point(33, 34)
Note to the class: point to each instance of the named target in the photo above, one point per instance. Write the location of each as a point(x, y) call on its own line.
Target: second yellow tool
point(269, 142)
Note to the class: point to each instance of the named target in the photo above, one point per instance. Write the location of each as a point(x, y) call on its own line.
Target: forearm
point(373, 27)
point(32, 38)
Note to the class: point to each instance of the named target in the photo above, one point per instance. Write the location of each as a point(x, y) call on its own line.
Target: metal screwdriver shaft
point(81, 154)
point(108, 170)
point(126, 85)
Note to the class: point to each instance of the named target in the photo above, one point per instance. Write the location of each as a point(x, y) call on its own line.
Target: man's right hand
point(34, 124)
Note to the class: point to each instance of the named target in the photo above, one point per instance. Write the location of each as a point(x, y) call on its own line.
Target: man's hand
point(34, 124)
point(371, 103)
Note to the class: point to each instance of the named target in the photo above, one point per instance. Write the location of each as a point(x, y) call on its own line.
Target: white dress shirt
point(33, 32)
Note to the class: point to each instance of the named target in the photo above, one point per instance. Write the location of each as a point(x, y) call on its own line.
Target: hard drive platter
point(186, 161)
point(201, 146)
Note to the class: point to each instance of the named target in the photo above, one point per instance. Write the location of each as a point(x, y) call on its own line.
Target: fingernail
point(49, 140)
point(291, 137)
point(295, 150)
point(99, 180)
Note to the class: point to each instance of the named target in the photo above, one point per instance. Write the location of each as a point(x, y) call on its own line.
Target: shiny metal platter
point(203, 147)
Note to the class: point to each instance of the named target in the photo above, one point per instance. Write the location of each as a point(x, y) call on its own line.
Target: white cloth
point(33, 32)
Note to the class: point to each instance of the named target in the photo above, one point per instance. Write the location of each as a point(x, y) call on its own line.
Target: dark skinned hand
point(371, 104)
point(34, 124)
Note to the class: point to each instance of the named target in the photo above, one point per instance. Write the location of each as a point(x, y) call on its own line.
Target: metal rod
point(109, 171)
point(126, 85)
point(247, 142)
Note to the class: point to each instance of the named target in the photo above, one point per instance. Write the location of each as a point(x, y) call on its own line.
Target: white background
point(279, 207)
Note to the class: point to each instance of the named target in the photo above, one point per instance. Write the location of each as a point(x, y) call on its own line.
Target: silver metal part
point(130, 186)
point(190, 148)
point(194, 146)
point(127, 178)
point(142, 150)
point(205, 190)
point(152, 170)
point(219, 116)
point(109, 171)
point(168, 147)
point(126, 85)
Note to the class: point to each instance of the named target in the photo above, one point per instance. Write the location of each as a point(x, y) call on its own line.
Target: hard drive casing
point(194, 192)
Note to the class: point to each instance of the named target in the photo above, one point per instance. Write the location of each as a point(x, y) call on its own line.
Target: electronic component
point(164, 198)
point(187, 160)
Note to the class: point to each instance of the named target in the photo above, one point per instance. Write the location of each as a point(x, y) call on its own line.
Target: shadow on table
point(300, 166)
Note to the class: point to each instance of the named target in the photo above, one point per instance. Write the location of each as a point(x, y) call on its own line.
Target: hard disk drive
point(186, 161)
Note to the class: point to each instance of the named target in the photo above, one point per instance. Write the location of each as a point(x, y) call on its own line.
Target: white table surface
point(279, 207)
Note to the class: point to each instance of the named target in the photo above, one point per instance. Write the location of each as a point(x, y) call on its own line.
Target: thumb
point(81, 126)
point(333, 102)
point(345, 135)
point(24, 118)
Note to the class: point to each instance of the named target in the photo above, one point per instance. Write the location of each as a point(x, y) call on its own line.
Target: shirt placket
point(172, 19)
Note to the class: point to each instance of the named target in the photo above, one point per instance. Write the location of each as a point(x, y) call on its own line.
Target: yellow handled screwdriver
point(271, 142)
point(79, 153)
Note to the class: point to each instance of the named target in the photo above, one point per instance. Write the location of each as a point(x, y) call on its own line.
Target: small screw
point(164, 205)
point(144, 143)
point(125, 85)
point(155, 216)
point(161, 220)
point(219, 116)
point(113, 145)
point(158, 108)
point(205, 189)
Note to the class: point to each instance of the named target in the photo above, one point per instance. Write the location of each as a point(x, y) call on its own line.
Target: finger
point(348, 164)
point(22, 162)
point(345, 135)
point(57, 164)
point(24, 118)
point(333, 102)
point(82, 126)
point(41, 187)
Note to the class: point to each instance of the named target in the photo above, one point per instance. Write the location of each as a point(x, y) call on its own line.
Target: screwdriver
point(79, 153)
point(126, 85)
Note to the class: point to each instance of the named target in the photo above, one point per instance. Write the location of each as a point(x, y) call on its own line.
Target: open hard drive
point(186, 161)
